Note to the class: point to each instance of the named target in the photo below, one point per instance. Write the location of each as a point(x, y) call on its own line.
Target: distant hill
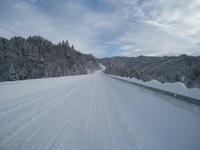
point(36, 57)
point(181, 68)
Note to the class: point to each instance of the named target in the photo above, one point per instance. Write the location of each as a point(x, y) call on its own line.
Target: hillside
point(181, 68)
point(36, 57)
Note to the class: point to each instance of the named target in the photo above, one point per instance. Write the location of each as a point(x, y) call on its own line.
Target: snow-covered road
point(92, 112)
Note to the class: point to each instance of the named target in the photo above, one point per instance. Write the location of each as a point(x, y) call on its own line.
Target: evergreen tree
point(12, 74)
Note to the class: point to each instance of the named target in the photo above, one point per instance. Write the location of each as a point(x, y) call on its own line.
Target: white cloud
point(132, 27)
point(167, 27)
point(158, 25)
point(181, 18)
point(30, 21)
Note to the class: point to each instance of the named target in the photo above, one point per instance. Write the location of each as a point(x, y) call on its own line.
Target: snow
point(102, 67)
point(11, 90)
point(176, 87)
point(91, 112)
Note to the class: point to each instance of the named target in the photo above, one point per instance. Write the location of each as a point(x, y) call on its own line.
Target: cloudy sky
point(108, 27)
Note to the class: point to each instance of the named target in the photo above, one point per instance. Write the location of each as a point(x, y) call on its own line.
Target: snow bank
point(177, 87)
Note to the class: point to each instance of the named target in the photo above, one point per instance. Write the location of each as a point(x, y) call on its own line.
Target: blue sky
point(108, 27)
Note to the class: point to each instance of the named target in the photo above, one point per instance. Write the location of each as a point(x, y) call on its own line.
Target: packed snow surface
point(92, 112)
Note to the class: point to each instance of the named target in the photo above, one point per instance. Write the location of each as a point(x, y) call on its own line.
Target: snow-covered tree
point(12, 74)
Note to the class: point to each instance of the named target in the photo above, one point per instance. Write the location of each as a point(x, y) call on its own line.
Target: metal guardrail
point(167, 93)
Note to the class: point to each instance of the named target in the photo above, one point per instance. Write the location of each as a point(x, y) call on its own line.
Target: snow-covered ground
point(92, 112)
point(177, 87)
point(11, 90)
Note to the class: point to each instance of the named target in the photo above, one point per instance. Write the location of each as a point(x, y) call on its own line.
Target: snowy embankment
point(177, 87)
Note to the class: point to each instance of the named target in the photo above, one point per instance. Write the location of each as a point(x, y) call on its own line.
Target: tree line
point(36, 57)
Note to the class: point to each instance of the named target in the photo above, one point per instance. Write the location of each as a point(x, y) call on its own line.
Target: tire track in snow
point(106, 128)
point(107, 113)
point(7, 105)
point(30, 99)
point(47, 132)
point(46, 129)
point(36, 117)
point(90, 128)
point(72, 134)
point(17, 117)
point(67, 120)
point(123, 132)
